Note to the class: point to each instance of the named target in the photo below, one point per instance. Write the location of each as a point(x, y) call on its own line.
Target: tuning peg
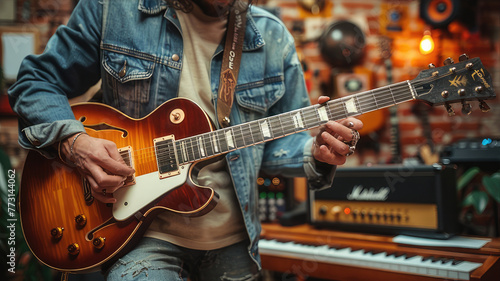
point(466, 108)
point(483, 106)
point(431, 65)
point(448, 61)
point(449, 109)
point(463, 57)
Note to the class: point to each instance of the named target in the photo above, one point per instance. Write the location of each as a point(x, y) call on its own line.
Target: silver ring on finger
point(351, 150)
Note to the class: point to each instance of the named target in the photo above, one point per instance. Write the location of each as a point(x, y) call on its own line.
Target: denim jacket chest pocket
point(256, 98)
point(128, 78)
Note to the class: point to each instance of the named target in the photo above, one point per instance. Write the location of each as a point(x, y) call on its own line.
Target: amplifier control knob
point(355, 213)
point(336, 210)
point(323, 210)
point(370, 215)
point(363, 214)
point(398, 217)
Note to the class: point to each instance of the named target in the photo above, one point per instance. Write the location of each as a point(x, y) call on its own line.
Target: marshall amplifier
point(394, 199)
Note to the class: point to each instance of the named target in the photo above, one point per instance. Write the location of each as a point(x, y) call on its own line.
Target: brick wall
point(372, 17)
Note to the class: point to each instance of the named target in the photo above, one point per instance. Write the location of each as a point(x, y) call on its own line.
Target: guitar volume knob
point(74, 249)
point(57, 232)
point(81, 220)
point(98, 242)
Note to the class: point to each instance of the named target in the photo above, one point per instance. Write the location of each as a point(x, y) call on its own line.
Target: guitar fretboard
point(221, 141)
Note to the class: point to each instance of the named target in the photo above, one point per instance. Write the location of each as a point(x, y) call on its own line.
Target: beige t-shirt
point(224, 225)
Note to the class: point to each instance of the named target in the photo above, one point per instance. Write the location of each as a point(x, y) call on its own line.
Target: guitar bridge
point(126, 154)
point(166, 157)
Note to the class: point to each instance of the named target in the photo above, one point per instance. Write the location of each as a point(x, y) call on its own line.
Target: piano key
point(418, 265)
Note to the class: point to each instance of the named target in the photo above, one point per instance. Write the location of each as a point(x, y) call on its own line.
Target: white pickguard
point(147, 188)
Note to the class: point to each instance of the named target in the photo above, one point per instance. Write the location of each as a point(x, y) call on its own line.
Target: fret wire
point(208, 144)
point(191, 150)
point(187, 155)
point(196, 148)
point(247, 135)
point(390, 90)
point(356, 101)
point(366, 102)
point(301, 113)
point(248, 141)
point(289, 128)
point(262, 122)
point(329, 112)
point(238, 137)
point(342, 101)
point(336, 109)
point(276, 126)
point(222, 140)
point(374, 98)
point(229, 132)
point(185, 151)
point(315, 116)
point(256, 128)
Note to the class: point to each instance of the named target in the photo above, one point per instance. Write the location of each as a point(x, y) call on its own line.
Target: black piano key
point(456, 262)
point(428, 258)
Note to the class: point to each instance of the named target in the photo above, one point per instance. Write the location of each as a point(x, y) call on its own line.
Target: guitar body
point(54, 199)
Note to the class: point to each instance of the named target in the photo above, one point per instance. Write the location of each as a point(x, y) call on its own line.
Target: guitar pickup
point(126, 154)
point(166, 157)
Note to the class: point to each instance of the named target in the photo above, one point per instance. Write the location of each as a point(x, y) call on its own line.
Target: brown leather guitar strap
point(231, 62)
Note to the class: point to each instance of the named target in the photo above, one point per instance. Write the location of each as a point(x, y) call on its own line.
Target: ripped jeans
point(154, 259)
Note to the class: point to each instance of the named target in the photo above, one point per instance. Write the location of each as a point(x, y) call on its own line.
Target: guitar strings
point(365, 102)
point(308, 116)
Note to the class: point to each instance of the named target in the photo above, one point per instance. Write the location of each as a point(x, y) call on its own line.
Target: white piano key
point(380, 261)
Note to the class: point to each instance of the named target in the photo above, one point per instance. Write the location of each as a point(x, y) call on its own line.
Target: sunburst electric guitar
point(66, 229)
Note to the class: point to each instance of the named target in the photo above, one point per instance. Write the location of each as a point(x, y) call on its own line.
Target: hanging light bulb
point(427, 43)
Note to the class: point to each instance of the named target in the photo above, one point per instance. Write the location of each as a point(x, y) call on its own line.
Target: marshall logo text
point(359, 193)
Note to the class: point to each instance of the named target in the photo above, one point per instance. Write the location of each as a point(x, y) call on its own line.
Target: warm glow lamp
point(427, 43)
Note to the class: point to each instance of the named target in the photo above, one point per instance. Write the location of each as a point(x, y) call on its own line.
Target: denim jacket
point(136, 48)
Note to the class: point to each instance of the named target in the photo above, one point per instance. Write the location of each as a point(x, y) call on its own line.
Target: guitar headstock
point(464, 81)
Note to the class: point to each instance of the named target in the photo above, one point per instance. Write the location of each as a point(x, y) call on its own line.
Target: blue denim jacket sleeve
point(46, 82)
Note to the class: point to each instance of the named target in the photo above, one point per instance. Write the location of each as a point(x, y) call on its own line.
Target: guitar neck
point(218, 142)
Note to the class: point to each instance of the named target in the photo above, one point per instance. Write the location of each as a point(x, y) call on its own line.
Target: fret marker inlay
point(350, 106)
point(265, 129)
point(214, 139)
point(297, 120)
point(322, 113)
point(200, 145)
point(229, 138)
